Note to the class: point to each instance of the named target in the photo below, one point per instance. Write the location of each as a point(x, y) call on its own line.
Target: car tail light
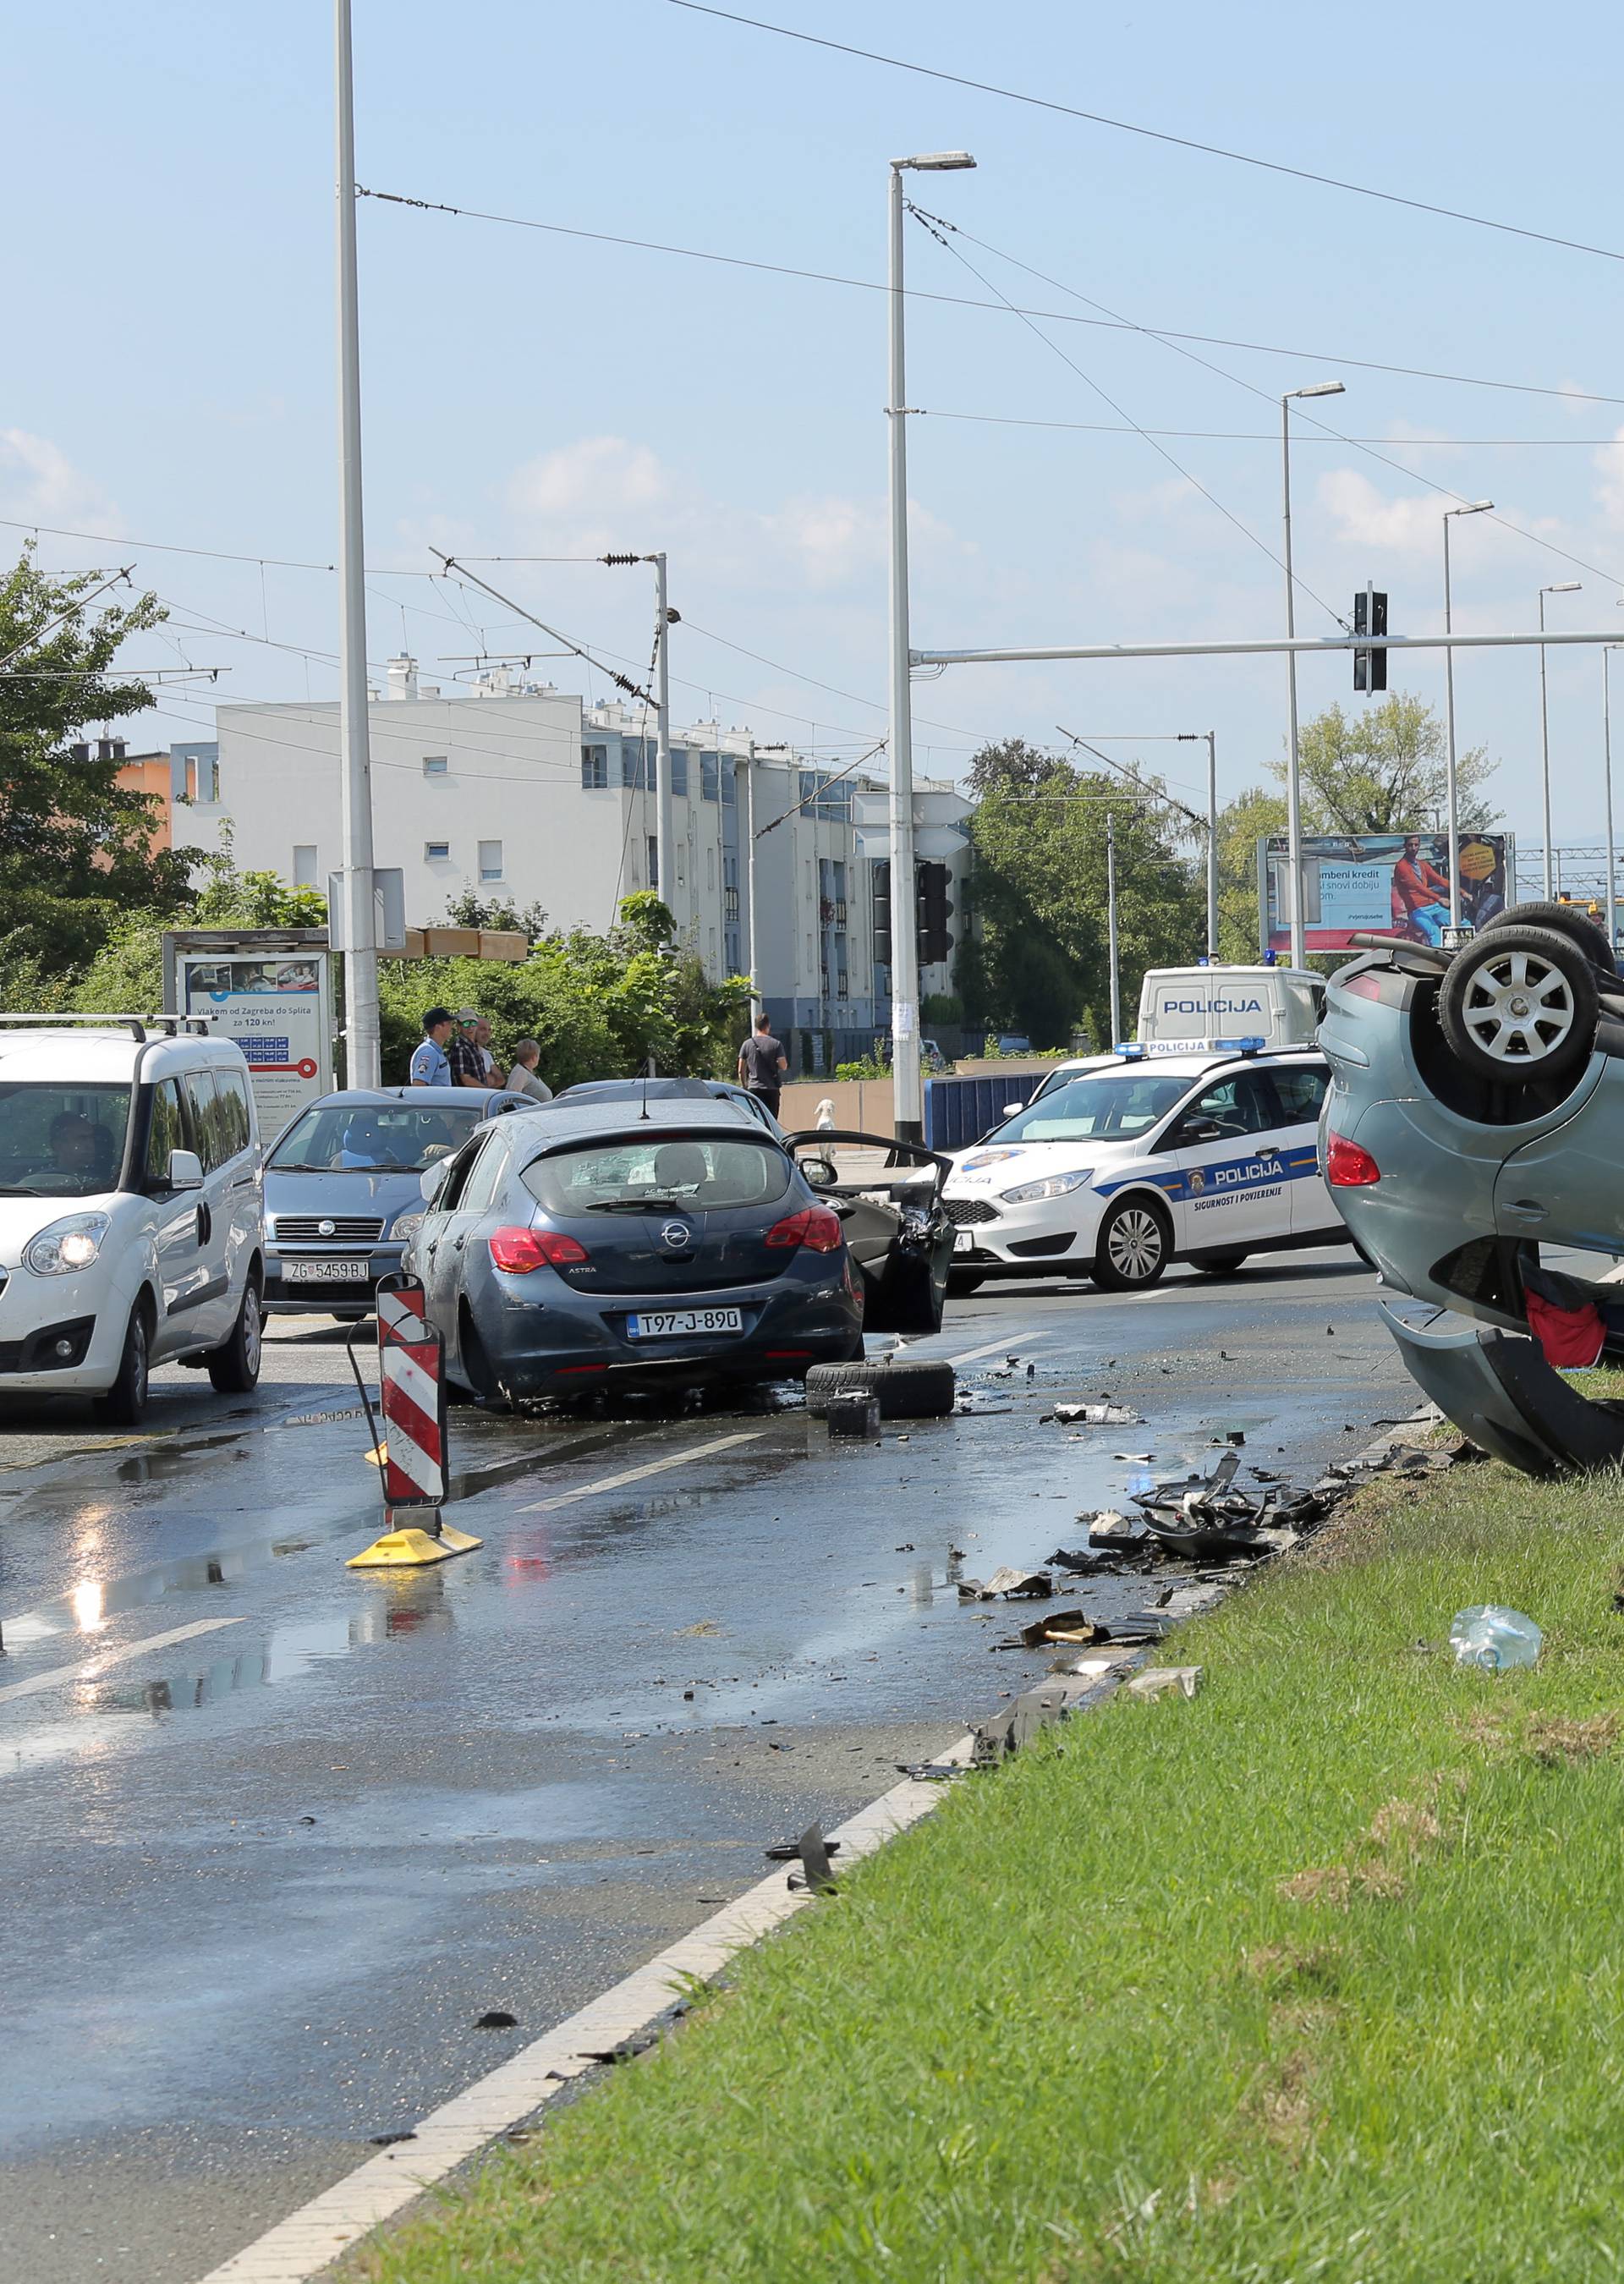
point(1347, 1167)
point(518, 1251)
point(814, 1226)
point(1365, 985)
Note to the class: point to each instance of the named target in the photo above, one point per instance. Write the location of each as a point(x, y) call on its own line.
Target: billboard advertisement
point(1384, 884)
point(277, 1005)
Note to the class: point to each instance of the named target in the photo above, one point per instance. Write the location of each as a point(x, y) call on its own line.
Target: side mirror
point(431, 1179)
point(185, 1171)
point(1012, 1110)
point(1200, 1129)
point(819, 1173)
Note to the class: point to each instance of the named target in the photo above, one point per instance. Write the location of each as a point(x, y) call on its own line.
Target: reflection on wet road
point(265, 1880)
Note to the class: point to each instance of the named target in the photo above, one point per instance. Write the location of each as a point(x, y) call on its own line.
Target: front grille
point(1034, 1249)
point(962, 1211)
point(347, 1229)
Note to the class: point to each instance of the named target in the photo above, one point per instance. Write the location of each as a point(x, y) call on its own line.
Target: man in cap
point(430, 1065)
point(463, 1051)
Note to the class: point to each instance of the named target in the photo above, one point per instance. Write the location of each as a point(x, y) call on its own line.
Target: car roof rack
point(136, 1025)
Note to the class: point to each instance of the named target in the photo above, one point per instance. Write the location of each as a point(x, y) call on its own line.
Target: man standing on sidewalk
point(762, 1063)
point(463, 1051)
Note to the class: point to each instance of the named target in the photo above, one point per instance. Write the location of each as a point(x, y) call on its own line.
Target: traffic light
point(880, 892)
point(1369, 618)
point(935, 906)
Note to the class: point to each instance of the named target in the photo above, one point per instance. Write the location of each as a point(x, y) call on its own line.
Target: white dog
point(826, 1116)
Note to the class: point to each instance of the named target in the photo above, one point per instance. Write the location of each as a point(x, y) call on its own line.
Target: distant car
point(1014, 1042)
point(129, 1209)
point(628, 1243)
point(672, 1089)
point(1121, 1170)
point(342, 1194)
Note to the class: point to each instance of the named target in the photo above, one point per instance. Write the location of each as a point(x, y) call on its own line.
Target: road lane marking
point(58, 1674)
point(995, 1347)
point(311, 2239)
point(639, 1474)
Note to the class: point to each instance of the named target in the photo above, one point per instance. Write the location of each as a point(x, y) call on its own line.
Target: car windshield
point(380, 1138)
point(696, 1174)
point(61, 1141)
point(1101, 1106)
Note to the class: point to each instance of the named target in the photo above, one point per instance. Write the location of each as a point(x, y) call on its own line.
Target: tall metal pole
point(908, 1095)
point(757, 1002)
point(1293, 790)
point(665, 841)
point(1453, 782)
point(1111, 929)
point(363, 1065)
point(1545, 754)
point(1212, 844)
point(1613, 934)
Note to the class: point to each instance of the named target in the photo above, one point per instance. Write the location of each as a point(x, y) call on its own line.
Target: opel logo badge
point(325, 1228)
point(675, 1235)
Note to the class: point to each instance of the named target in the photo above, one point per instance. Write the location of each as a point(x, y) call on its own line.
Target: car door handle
point(1526, 1210)
point(458, 1244)
point(206, 1224)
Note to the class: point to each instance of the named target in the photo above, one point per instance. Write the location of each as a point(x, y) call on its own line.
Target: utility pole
point(1612, 932)
point(756, 1000)
point(664, 837)
point(363, 1054)
point(1111, 928)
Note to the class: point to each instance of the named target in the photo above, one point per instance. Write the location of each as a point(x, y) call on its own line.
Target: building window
point(710, 869)
point(637, 770)
point(710, 776)
point(654, 862)
point(490, 860)
point(595, 767)
point(304, 865)
point(679, 771)
point(729, 786)
point(436, 852)
point(436, 765)
point(202, 777)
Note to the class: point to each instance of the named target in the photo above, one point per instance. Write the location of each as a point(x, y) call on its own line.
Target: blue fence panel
point(958, 1111)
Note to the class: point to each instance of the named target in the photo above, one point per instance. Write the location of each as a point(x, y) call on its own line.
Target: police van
point(1112, 1174)
point(1185, 1007)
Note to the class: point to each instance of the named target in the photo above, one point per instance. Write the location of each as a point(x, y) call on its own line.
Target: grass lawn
point(1320, 1976)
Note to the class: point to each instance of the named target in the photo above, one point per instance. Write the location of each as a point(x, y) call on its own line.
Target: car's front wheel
point(234, 1367)
point(124, 1403)
point(1221, 1264)
point(1519, 1004)
point(1135, 1247)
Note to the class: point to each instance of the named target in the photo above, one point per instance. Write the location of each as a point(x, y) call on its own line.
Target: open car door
point(888, 1195)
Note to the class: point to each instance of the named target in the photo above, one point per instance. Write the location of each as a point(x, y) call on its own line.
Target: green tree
point(1251, 817)
point(126, 975)
point(1386, 770)
point(1039, 959)
point(469, 909)
point(75, 846)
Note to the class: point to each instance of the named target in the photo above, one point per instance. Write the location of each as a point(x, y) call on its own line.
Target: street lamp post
point(1607, 795)
point(906, 1092)
point(1561, 587)
point(1191, 738)
point(1113, 954)
point(1478, 507)
point(1294, 793)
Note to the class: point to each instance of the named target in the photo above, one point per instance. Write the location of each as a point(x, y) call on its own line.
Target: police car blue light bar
point(1130, 1048)
point(1251, 1045)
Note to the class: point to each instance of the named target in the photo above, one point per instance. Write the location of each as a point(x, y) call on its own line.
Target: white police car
point(1202, 1157)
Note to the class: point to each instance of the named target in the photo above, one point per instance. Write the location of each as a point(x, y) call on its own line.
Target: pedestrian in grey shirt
point(522, 1078)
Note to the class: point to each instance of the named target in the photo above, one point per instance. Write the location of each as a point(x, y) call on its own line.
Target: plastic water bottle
point(1489, 1636)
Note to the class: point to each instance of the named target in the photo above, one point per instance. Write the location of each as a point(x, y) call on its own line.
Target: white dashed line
point(59, 1675)
point(640, 1475)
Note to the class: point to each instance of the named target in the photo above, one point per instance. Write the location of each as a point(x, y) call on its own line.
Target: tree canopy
point(1386, 770)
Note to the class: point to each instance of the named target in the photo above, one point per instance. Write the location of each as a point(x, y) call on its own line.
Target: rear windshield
point(61, 1141)
point(694, 1173)
point(1104, 1106)
point(392, 1137)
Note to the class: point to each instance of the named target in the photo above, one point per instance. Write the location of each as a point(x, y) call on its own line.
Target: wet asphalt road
point(262, 1880)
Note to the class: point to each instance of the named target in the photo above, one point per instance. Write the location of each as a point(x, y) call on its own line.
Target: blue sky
point(169, 371)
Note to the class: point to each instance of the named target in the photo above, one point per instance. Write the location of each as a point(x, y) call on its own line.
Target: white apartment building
point(517, 792)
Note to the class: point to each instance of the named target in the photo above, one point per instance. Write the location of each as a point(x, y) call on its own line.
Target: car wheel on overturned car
point(1585, 933)
point(1135, 1247)
point(1519, 1003)
point(908, 1388)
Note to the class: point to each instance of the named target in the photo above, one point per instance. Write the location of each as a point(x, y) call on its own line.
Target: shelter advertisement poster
point(1384, 884)
point(277, 1007)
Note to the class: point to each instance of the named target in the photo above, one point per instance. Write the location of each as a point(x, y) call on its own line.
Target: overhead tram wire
point(1154, 134)
point(1259, 435)
point(1238, 381)
point(1001, 307)
point(927, 223)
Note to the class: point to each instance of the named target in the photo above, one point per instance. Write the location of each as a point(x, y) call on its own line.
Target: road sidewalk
point(1315, 1974)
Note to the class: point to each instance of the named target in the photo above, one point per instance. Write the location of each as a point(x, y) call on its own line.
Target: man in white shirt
point(522, 1078)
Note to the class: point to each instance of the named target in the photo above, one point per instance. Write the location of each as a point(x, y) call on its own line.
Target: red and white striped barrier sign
point(410, 1362)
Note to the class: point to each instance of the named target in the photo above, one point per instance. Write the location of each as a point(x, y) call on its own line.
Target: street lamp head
point(1564, 587)
point(1471, 507)
point(1320, 388)
point(937, 163)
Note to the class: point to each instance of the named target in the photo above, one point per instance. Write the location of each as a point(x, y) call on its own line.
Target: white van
point(1213, 1006)
point(130, 1227)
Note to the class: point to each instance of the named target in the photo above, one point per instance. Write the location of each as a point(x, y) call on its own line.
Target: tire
point(1220, 1265)
point(912, 1387)
point(1519, 1004)
point(124, 1403)
point(234, 1367)
point(1563, 920)
point(1135, 1245)
point(961, 1281)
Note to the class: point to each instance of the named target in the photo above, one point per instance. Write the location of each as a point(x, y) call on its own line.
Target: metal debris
point(1094, 1415)
point(1033, 1584)
point(1166, 1680)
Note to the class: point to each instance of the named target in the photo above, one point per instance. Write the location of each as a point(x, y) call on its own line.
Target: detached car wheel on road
point(908, 1388)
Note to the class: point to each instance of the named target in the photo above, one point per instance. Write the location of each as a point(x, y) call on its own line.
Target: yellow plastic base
point(401, 1550)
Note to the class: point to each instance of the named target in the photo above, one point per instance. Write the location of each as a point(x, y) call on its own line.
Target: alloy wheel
point(1135, 1245)
point(1518, 1007)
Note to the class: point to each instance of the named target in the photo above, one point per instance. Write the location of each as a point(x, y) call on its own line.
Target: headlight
point(407, 1227)
point(1056, 1186)
point(68, 1245)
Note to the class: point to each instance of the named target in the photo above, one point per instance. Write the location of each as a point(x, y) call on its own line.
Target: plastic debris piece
point(816, 1874)
point(788, 1851)
point(1033, 1584)
point(1111, 1528)
point(1166, 1681)
point(389, 2140)
point(497, 2019)
point(1496, 1638)
point(1070, 1627)
point(1096, 1415)
point(929, 1772)
point(625, 2050)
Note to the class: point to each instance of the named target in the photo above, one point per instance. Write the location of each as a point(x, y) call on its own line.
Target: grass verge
point(1320, 1976)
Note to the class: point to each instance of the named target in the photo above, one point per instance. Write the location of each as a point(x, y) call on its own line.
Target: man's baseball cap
point(469, 1015)
point(436, 1016)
